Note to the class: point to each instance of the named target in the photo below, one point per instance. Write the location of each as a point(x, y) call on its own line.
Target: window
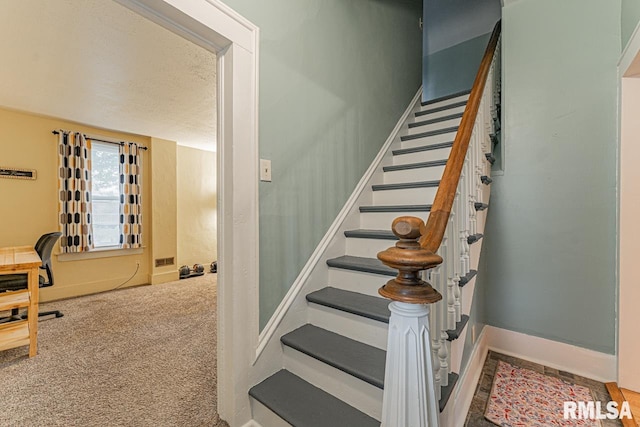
point(105, 191)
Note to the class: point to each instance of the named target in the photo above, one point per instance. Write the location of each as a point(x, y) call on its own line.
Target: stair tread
point(396, 208)
point(304, 405)
point(367, 265)
point(438, 109)
point(353, 357)
point(436, 120)
point(368, 306)
point(371, 234)
point(430, 164)
point(454, 334)
point(429, 133)
point(467, 278)
point(429, 147)
point(405, 185)
point(445, 97)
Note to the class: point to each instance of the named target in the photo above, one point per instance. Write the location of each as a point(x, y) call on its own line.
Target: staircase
point(348, 320)
point(334, 365)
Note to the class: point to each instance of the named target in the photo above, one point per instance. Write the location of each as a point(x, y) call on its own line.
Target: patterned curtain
point(130, 197)
point(74, 189)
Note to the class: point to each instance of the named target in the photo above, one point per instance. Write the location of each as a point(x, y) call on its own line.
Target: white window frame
point(106, 145)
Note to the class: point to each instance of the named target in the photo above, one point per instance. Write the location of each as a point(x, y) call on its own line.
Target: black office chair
point(15, 282)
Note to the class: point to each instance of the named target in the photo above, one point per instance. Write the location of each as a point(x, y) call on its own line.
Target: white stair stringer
point(295, 311)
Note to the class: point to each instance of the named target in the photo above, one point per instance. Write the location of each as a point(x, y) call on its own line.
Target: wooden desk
point(20, 260)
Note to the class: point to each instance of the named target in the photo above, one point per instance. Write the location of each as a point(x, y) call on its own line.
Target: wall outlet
point(265, 170)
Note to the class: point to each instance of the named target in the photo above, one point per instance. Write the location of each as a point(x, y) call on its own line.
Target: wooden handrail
point(443, 202)
point(408, 257)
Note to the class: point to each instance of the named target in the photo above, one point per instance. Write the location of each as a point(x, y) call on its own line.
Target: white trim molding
point(294, 291)
point(627, 67)
point(214, 26)
point(566, 357)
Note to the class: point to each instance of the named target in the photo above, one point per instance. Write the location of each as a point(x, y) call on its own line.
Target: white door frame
point(214, 26)
point(628, 211)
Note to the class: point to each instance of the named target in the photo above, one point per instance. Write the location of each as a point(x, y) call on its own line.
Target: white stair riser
point(433, 173)
point(350, 325)
point(436, 115)
point(351, 390)
point(420, 142)
point(433, 126)
point(445, 102)
point(405, 196)
point(357, 281)
point(368, 248)
point(422, 156)
point(383, 220)
point(265, 417)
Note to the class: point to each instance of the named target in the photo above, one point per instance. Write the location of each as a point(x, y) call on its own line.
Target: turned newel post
point(410, 259)
point(410, 397)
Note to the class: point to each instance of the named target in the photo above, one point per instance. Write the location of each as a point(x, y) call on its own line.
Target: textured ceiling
point(98, 63)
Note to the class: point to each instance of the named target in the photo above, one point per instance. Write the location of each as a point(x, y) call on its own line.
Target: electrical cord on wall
point(129, 279)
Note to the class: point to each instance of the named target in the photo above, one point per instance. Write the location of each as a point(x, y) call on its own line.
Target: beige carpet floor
point(143, 356)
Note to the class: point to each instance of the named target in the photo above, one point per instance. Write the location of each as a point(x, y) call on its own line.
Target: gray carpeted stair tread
point(371, 234)
point(437, 120)
point(353, 357)
point(486, 180)
point(474, 238)
point(430, 164)
point(438, 109)
point(454, 334)
point(367, 265)
point(429, 133)
point(396, 208)
point(429, 147)
point(448, 390)
point(467, 278)
point(304, 405)
point(445, 97)
point(405, 185)
point(368, 306)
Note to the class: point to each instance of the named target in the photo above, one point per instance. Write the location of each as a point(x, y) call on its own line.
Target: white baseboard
point(466, 387)
point(252, 423)
point(566, 357)
point(306, 271)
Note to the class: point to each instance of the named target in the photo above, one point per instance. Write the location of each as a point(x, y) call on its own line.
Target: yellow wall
point(28, 209)
point(163, 200)
point(197, 226)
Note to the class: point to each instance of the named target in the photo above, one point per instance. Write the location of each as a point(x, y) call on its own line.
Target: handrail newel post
point(409, 364)
point(419, 358)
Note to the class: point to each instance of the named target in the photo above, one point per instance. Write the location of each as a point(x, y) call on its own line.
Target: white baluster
point(442, 350)
point(435, 280)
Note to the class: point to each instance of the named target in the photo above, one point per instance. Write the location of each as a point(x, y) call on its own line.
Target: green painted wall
point(630, 19)
point(551, 232)
point(335, 77)
point(453, 69)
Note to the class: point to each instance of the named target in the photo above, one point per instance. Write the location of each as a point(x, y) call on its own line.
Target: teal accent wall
point(630, 19)
point(335, 77)
point(551, 231)
point(453, 69)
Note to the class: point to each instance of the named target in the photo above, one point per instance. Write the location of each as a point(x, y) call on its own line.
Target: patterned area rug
point(523, 398)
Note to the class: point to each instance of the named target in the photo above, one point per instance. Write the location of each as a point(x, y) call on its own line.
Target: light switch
point(265, 170)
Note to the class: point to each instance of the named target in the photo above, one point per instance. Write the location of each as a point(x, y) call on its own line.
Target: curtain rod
point(142, 147)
